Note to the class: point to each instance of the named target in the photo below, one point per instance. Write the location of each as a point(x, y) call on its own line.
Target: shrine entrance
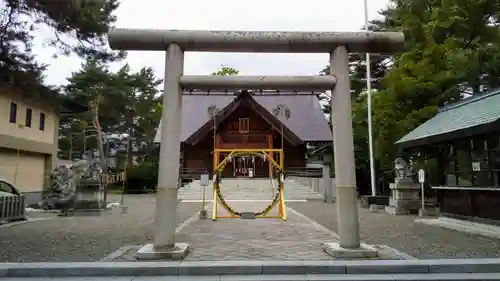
point(245, 124)
point(249, 167)
point(278, 198)
point(243, 167)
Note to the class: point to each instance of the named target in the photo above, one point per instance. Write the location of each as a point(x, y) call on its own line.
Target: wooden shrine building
point(463, 139)
point(246, 120)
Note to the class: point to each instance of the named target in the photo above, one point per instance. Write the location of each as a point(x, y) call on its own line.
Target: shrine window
point(463, 163)
point(450, 156)
point(244, 125)
point(494, 156)
point(469, 163)
point(481, 175)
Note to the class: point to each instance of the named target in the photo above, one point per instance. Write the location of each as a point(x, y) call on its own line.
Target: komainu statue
point(61, 192)
point(401, 170)
point(66, 182)
point(405, 193)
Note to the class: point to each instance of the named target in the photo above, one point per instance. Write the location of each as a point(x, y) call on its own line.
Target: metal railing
point(311, 177)
point(304, 172)
point(12, 208)
point(188, 175)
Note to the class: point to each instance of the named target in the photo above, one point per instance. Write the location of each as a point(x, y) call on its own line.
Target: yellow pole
point(282, 152)
point(282, 185)
point(203, 204)
point(282, 138)
point(214, 182)
point(282, 203)
point(282, 161)
point(214, 203)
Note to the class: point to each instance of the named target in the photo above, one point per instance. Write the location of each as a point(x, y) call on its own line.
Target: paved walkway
point(298, 238)
point(255, 239)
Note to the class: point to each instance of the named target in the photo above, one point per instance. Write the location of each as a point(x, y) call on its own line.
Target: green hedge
point(141, 179)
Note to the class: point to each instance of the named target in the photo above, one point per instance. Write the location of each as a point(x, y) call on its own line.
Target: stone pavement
point(75, 239)
point(256, 239)
point(404, 234)
point(84, 239)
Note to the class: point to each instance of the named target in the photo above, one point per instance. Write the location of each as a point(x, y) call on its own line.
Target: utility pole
point(370, 129)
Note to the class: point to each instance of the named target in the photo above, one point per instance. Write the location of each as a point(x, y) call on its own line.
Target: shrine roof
point(307, 120)
point(472, 116)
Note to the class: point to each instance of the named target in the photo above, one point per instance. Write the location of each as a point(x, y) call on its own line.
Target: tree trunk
point(100, 143)
point(100, 146)
point(129, 149)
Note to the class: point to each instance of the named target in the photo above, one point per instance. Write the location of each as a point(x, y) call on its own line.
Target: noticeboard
point(204, 180)
point(421, 176)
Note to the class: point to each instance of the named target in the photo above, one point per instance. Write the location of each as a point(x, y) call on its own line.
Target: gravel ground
point(400, 232)
point(74, 239)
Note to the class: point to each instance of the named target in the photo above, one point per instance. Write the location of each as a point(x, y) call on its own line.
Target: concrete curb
point(462, 226)
point(28, 220)
point(89, 269)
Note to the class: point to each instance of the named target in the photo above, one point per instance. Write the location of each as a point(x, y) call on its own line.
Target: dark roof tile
point(307, 119)
point(466, 114)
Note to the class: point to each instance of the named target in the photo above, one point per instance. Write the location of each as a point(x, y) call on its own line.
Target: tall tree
point(452, 52)
point(357, 71)
point(128, 104)
point(225, 70)
point(88, 86)
point(380, 64)
point(78, 27)
point(140, 107)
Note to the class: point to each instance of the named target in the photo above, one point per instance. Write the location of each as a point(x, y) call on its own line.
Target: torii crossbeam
point(176, 42)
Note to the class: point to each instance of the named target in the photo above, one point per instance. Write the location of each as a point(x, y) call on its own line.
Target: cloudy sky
point(268, 15)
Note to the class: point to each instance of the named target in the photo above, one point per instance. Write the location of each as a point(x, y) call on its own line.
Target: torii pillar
point(176, 42)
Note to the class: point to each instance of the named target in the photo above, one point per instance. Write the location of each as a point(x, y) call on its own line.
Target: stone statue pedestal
point(405, 197)
point(89, 199)
point(89, 195)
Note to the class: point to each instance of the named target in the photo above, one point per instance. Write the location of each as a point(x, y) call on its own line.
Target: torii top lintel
point(255, 41)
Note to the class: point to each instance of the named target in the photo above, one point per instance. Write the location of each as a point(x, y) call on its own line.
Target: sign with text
point(204, 180)
point(421, 176)
point(476, 166)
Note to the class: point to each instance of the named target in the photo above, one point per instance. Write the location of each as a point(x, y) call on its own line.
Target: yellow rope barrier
point(219, 198)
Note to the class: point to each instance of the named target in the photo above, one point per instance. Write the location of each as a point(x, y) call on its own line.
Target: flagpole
point(369, 90)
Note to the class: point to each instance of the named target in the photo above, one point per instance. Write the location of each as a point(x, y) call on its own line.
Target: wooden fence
point(12, 208)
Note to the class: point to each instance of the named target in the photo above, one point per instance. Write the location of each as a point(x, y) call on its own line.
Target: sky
point(265, 15)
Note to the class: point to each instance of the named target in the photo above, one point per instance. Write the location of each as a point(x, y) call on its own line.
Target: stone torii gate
point(175, 42)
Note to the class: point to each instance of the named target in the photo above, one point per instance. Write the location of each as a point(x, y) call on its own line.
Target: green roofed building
point(464, 139)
